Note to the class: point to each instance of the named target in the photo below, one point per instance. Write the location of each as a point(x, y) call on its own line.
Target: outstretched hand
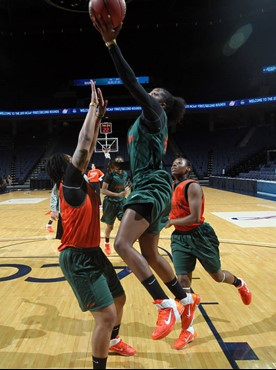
point(97, 99)
point(106, 29)
point(102, 103)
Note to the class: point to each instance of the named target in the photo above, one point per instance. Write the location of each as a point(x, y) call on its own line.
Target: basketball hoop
point(110, 143)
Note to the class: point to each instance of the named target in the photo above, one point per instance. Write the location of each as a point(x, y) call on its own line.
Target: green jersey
point(145, 149)
point(116, 183)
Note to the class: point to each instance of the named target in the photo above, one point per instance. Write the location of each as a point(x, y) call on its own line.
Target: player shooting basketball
point(148, 206)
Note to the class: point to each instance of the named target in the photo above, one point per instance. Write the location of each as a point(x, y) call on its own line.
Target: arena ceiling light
point(238, 39)
point(79, 6)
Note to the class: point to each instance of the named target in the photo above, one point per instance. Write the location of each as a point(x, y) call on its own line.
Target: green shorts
point(200, 243)
point(91, 276)
point(153, 189)
point(112, 210)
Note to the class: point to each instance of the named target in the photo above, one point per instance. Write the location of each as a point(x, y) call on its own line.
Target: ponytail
point(175, 107)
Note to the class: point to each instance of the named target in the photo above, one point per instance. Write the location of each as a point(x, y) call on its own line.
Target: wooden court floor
point(42, 326)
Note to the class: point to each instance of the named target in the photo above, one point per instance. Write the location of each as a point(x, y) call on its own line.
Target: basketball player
point(54, 206)
point(95, 176)
point(114, 189)
point(84, 265)
point(148, 206)
point(193, 239)
point(55, 213)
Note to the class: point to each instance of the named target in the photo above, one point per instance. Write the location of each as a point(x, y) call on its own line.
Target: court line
point(28, 257)
point(222, 344)
point(267, 206)
point(19, 243)
point(46, 237)
point(241, 242)
point(220, 341)
point(247, 242)
point(206, 317)
point(229, 241)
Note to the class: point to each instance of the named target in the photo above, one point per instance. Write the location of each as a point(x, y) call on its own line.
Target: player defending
point(84, 265)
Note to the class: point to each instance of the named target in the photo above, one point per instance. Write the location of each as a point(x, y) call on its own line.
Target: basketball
point(116, 9)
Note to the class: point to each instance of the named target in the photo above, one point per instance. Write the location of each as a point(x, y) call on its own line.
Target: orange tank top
point(180, 205)
point(81, 225)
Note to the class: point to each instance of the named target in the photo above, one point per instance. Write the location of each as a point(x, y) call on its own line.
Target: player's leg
point(108, 217)
point(223, 276)
point(206, 244)
point(116, 289)
point(107, 233)
point(104, 324)
point(149, 248)
point(187, 334)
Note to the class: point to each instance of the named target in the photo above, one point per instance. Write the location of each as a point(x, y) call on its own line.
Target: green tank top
point(145, 149)
point(117, 184)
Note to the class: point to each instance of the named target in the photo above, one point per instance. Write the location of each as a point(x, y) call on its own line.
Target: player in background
point(54, 206)
point(114, 190)
point(193, 239)
point(148, 206)
point(84, 265)
point(95, 176)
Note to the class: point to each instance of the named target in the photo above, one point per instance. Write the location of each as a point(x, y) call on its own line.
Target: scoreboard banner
point(81, 111)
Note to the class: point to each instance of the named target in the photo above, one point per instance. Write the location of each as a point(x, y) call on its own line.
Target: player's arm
point(195, 203)
point(101, 175)
point(89, 131)
point(109, 193)
point(54, 201)
point(153, 113)
point(107, 180)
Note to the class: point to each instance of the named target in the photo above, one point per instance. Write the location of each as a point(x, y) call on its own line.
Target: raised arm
point(90, 129)
point(152, 111)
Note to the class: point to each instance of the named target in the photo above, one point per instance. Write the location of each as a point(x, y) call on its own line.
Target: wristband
point(110, 43)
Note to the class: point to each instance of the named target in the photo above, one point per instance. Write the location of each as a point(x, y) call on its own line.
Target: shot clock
point(106, 128)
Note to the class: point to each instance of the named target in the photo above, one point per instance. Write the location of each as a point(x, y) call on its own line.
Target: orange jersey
point(81, 225)
point(180, 206)
point(94, 175)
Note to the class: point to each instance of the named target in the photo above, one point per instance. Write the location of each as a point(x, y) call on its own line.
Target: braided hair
point(56, 166)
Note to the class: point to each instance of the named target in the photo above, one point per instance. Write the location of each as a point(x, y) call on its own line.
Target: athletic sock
point(237, 282)
point(115, 331)
point(176, 289)
point(99, 363)
point(154, 288)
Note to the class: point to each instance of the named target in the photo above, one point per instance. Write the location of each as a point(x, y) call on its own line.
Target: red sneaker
point(185, 337)
point(49, 228)
point(122, 348)
point(189, 311)
point(107, 248)
point(245, 293)
point(169, 311)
